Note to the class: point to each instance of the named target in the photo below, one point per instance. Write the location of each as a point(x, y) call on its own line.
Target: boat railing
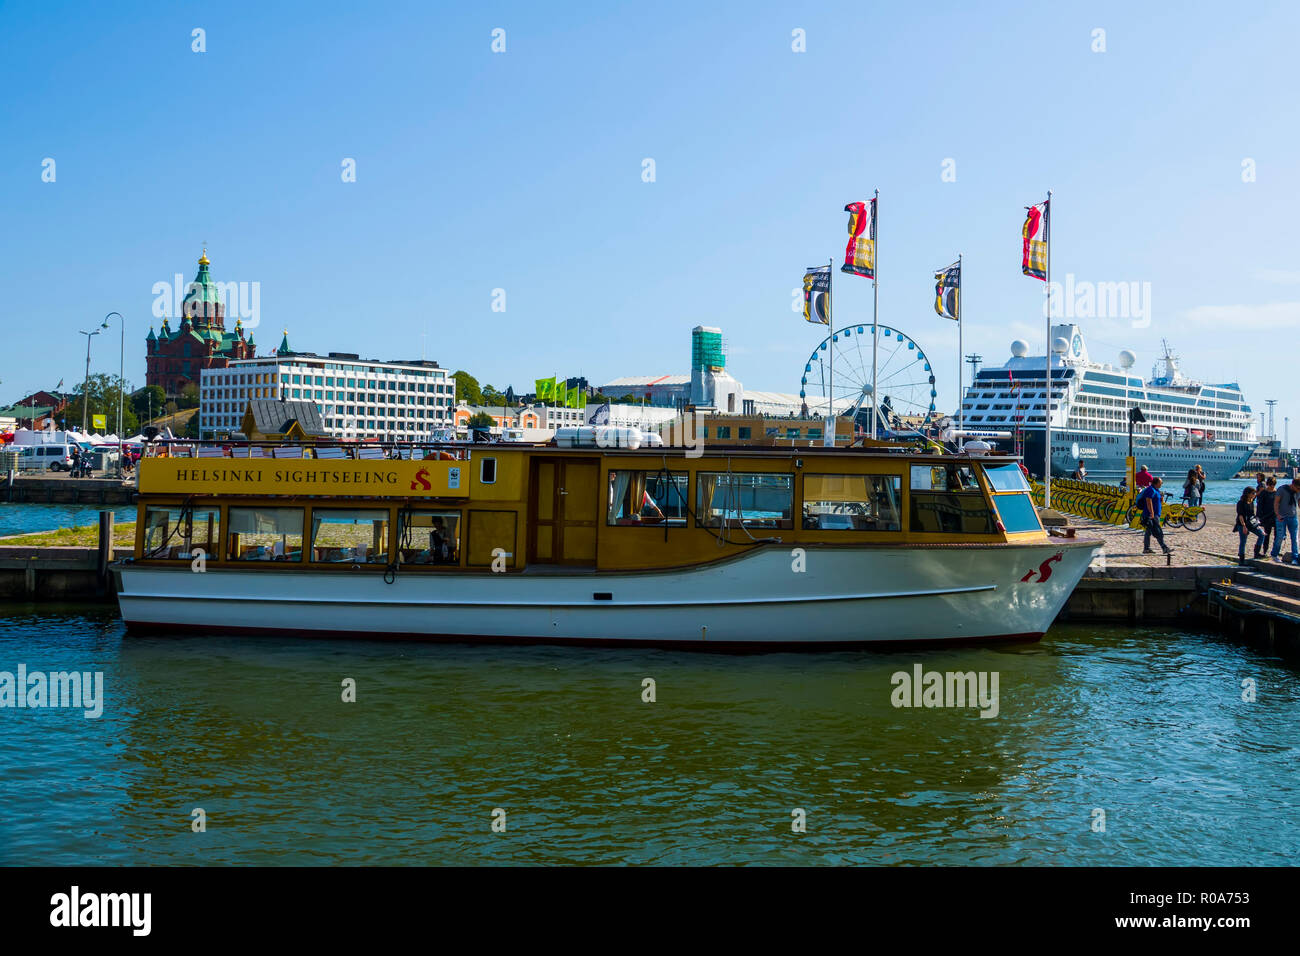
point(361, 451)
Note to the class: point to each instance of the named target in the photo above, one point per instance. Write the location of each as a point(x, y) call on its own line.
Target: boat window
point(647, 498)
point(1017, 513)
point(176, 534)
point(852, 502)
point(429, 537)
point(348, 536)
point(945, 499)
point(745, 499)
point(945, 477)
point(1007, 477)
point(264, 534)
point(487, 473)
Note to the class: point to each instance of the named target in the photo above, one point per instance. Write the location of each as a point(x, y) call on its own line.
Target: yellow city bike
point(1187, 517)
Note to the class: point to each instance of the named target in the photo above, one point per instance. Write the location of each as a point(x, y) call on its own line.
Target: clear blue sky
point(522, 171)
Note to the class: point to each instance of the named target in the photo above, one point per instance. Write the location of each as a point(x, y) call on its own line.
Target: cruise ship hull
point(844, 597)
point(1103, 456)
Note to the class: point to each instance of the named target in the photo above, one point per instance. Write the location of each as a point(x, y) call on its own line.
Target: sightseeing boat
point(739, 547)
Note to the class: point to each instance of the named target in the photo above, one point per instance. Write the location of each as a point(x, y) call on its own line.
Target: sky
point(1170, 142)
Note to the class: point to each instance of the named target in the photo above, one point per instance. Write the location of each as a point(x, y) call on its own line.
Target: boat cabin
point(515, 508)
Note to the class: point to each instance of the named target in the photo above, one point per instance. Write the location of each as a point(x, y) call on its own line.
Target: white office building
point(358, 398)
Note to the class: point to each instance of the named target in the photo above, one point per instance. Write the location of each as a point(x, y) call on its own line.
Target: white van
point(45, 457)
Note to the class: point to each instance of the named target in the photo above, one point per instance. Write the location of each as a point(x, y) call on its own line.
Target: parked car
point(51, 457)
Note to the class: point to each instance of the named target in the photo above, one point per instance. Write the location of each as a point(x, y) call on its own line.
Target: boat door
point(564, 501)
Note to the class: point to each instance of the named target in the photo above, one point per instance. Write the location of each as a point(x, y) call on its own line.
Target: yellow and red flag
point(860, 254)
point(1036, 234)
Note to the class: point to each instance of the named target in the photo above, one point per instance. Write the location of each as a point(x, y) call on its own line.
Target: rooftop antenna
point(974, 361)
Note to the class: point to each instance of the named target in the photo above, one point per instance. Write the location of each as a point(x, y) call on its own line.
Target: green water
point(1146, 724)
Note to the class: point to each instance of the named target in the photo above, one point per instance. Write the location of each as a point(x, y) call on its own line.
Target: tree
point(467, 390)
point(191, 429)
point(148, 401)
point(100, 397)
point(491, 396)
point(482, 420)
point(189, 396)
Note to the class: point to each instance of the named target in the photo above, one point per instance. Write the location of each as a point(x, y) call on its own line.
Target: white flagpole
point(875, 306)
point(1047, 404)
point(828, 439)
point(961, 379)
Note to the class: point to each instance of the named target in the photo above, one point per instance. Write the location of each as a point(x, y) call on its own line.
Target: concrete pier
point(44, 489)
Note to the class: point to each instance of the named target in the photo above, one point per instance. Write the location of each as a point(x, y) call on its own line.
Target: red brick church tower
point(174, 358)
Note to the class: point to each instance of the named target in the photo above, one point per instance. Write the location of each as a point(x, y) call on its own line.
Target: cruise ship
point(1188, 423)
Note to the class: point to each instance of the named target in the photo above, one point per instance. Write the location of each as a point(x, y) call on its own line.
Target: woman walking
point(1247, 524)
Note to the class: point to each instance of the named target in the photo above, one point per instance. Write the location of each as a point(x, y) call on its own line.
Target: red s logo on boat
point(1044, 570)
point(421, 482)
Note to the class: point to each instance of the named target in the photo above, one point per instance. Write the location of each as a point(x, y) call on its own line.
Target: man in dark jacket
point(1265, 511)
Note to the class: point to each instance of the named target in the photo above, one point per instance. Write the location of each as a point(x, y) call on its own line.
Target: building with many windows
point(357, 398)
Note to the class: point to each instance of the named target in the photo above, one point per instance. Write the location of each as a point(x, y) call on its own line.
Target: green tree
point(191, 427)
point(491, 396)
point(467, 390)
point(189, 396)
point(100, 396)
point(482, 420)
point(148, 401)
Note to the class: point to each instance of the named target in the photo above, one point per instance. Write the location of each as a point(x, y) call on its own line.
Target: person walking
point(1247, 524)
point(1265, 511)
point(1150, 501)
point(1200, 486)
point(1285, 507)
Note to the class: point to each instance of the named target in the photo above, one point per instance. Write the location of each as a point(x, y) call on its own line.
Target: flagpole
point(1047, 405)
point(875, 305)
point(961, 307)
point(828, 439)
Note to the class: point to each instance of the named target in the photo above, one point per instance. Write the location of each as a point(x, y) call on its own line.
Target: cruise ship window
point(852, 502)
point(349, 536)
point(264, 534)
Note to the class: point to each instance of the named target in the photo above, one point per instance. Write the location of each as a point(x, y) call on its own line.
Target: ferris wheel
point(904, 379)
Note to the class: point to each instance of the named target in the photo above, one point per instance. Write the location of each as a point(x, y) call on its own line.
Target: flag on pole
point(860, 253)
point(1036, 234)
point(816, 294)
point(545, 389)
point(576, 398)
point(947, 291)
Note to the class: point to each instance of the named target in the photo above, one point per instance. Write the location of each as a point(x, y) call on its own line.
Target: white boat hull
point(842, 597)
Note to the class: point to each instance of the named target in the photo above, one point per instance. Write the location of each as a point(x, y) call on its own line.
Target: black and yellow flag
point(817, 295)
point(947, 291)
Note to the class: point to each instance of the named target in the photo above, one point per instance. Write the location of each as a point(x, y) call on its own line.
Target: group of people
point(1268, 511)
point(1150, 499)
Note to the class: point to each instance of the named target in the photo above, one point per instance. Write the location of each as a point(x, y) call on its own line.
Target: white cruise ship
point(1187, 422)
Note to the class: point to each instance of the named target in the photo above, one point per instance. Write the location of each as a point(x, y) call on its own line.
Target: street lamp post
point(121, 383)
point(85, 388)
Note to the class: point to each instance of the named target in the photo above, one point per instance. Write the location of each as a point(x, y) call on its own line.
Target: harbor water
point(1110, 745)
point(31, 518)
